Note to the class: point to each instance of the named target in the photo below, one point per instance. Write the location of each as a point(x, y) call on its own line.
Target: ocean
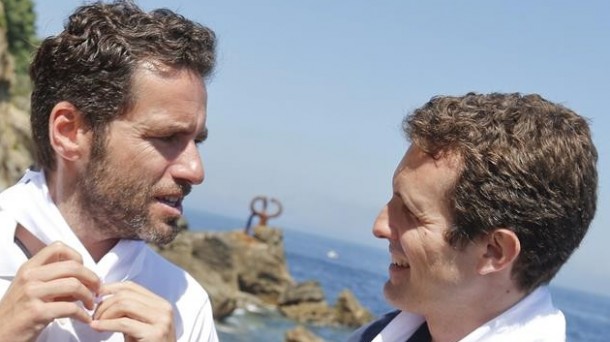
point(338, 265)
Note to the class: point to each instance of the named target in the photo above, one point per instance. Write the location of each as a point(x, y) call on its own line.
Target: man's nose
point(188, 166)
point(381, 227)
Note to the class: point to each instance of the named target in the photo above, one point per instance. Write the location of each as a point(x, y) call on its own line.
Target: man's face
point(134, 188)
point(426, 272)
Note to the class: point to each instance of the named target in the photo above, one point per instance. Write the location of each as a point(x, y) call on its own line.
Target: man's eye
point(199, 141)
point(408, 212)
point(168, 138)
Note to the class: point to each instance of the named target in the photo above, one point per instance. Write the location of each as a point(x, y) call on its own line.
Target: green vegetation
point(20, 22)
point(21, 31)
point(2, 18)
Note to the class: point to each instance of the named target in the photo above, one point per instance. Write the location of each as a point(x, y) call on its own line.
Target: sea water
point(339, 265)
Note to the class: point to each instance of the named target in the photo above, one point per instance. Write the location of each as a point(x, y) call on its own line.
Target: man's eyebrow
point(399, 196)
point(203, 135)
point(163, 126)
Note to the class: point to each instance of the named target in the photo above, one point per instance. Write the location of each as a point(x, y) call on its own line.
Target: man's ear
point(68, 131)
point(501, 249)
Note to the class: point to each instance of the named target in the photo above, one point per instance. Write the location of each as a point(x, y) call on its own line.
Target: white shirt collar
point(400, 328)
point(29, 203)
point(534, 318)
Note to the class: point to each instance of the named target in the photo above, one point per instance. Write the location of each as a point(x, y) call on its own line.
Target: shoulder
point(6, 221)
point(11, 258)
point(7, 230)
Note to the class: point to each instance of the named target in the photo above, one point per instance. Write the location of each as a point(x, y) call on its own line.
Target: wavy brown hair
point(528, 165)
point(92, 62)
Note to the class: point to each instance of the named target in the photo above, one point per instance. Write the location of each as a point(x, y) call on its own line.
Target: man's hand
point(136, 312)
point(46, 287)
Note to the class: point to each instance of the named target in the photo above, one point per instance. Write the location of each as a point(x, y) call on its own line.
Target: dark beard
point(119, 204)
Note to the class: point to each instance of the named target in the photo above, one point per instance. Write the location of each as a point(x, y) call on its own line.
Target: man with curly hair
point(118, 109)
point(490, 200)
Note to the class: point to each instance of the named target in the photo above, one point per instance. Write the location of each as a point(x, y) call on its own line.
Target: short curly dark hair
point(527, 164)
point(92, 62)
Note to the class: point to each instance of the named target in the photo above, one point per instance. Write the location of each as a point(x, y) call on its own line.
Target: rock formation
point(237, 270)
point(301, 334)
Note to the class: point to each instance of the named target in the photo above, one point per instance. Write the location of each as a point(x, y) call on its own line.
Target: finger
point(119, 305)
point(123, 325)
point(61, 290)
point(129, 301)
point(72, 276)
point(53, 310)
point(63, 269)
point(130, 291)
point(54, 252)
point(130, 286)
point(153, 312)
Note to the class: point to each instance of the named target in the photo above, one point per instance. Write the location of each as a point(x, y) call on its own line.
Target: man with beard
point(118, 108)
point(490, 200)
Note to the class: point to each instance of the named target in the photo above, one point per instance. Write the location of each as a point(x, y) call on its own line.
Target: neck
point(65, 196)
point(463, 318)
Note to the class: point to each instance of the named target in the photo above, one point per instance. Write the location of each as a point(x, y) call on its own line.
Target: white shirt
point(28, 203)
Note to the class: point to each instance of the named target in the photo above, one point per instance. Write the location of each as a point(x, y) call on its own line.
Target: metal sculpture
point(260, 210)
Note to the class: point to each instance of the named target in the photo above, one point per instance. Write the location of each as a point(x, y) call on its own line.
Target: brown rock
point(313, 312)
point(349, 311)
point(238, 270)
point(273, 238)
point(309, 291)
point(234, 268)
point(261, 263)
point(207, 258)
point(301, 334)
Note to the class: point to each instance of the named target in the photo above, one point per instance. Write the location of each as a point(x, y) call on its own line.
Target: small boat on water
point(332, 254)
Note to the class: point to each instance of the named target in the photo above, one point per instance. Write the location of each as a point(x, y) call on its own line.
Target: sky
point(307, 99)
